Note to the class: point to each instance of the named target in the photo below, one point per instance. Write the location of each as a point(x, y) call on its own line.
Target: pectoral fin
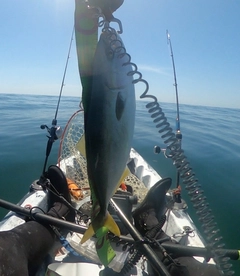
point(109, 224)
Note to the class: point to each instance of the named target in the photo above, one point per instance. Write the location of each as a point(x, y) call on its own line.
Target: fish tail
point(109, 224)
point(103, 247)
point(88, 234)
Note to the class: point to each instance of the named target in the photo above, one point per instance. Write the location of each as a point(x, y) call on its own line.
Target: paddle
point(178, 249)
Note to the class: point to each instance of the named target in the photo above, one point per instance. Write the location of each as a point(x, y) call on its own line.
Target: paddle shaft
point(189, 251)
point(177, 249)
point(42, 218)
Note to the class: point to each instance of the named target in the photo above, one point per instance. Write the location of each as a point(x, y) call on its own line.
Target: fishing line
point(194, 189)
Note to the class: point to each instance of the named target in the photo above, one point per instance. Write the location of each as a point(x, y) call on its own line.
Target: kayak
point(134, 253)
point(178, 225)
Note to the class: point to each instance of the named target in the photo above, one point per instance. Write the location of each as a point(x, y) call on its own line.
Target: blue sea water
point(211, 142)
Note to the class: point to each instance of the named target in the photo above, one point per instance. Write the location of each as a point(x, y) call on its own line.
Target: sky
point(205, 36)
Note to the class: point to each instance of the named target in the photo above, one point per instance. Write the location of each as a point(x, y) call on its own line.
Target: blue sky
point(35, 37)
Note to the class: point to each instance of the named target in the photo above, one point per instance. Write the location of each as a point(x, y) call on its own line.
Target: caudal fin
point(103, 246)
point(88, 234)
point(109, 224)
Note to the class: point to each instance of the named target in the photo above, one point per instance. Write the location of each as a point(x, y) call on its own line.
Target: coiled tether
point(195, 192)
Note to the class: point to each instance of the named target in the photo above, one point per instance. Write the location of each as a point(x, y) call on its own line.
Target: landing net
point(73, 162)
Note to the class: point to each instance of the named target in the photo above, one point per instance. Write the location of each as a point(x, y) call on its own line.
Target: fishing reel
point(158, 150)
point(167, 151)
point(54, 131)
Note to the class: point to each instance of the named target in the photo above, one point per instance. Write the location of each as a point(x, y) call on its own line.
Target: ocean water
point(211, 142)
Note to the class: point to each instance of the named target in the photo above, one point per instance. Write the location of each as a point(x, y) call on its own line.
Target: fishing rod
point(55, 131)
point(178, 130)
point(178, 133)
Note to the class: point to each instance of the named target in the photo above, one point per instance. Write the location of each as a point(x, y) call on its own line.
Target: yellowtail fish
point(109, 127)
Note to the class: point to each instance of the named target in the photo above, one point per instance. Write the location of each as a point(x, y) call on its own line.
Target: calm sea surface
point(211, 142)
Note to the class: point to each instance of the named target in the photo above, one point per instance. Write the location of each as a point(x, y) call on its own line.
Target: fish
point(109, 127)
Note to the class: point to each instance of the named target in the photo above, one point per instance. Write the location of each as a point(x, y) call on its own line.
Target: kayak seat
point(154, 200)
